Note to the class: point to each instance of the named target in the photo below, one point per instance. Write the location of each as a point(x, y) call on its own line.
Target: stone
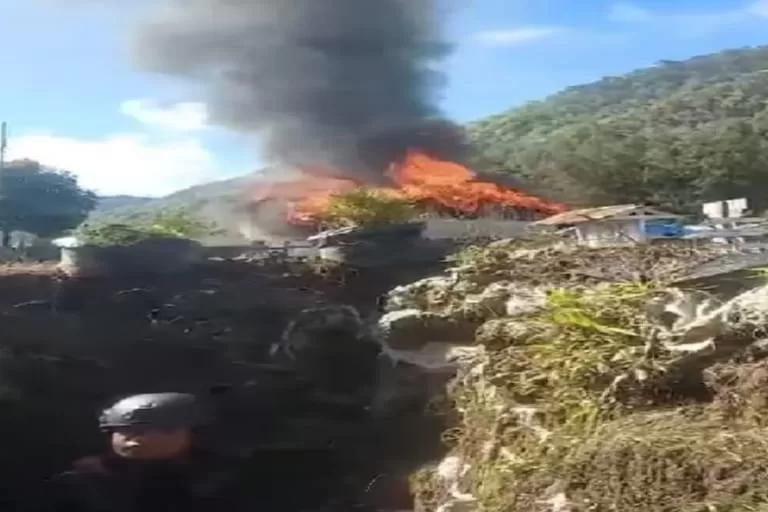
point(704, 326)
point(136, 300)
point(409, 329)
point(525, 302)
point(421, 294)
point(490, 302)
point(505, 331)
point(34, 307)
point(331, 347)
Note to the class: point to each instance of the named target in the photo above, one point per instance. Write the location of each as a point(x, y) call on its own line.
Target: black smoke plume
point(349, 84)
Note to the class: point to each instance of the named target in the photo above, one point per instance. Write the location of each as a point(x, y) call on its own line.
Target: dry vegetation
point(599, 387)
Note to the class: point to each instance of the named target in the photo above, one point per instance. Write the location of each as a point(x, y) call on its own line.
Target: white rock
point(558, 503)
point(412, 295)
point(455, 505)
point(526, 302)
point(410, 329)
point(451, 469)
point(705, 326)
point(491, 301)
point(436, 356)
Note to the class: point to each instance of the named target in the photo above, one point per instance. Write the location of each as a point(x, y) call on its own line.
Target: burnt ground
point(70, 346)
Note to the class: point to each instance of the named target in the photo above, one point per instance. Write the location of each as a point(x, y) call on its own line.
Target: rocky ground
point(588, 379)
point(530, 375)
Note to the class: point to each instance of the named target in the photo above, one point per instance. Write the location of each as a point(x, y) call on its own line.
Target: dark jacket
point(199, 483)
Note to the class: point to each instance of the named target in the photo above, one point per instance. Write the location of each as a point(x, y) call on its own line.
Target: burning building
point(438, 188)
point(344, 91)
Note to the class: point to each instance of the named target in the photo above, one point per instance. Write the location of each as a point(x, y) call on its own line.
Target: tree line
point(676, 135)
point(48, 202)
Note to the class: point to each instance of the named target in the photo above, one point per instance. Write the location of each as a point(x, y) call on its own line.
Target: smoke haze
point(343, 83)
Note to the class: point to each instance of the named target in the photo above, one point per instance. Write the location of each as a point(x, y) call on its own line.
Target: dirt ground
point(68, 346)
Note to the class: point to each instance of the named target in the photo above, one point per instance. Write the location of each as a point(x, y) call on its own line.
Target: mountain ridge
point(217, 201)
point(678, 133)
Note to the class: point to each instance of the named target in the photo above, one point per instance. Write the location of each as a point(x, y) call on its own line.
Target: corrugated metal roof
point(599, 213)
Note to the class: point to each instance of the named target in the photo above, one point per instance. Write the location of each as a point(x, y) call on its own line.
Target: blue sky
point(74, 100)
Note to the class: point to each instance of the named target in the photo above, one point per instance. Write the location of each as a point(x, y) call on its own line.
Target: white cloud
point(130, 163)
point(182, 117)
point(627, 12)
point(154, 161)
point(516, 36)
point(759, 8)
point(690, 21)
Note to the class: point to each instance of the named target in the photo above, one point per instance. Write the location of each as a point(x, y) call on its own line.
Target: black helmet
point(162, 410)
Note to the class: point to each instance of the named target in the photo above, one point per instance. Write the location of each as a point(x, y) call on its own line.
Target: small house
point(624, 223)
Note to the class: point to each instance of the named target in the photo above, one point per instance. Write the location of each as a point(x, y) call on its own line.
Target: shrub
point(365, 207)
point(174, 223)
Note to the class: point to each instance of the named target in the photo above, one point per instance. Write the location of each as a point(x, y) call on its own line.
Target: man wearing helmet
point(152, 464)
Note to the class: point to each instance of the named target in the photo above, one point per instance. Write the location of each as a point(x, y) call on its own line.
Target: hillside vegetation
point(676, 133)
point(216, 202)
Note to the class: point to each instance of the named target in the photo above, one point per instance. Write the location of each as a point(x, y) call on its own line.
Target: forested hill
point(676, 133)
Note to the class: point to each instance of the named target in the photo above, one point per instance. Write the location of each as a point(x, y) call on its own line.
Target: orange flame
point(420, 178)
point(449, 184)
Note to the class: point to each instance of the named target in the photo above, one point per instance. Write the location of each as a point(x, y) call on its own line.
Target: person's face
point(150, 443)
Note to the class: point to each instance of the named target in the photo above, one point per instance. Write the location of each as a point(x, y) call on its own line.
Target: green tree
point(181, 222)
point(112, 234)
point(175, 223)
point(366, 207)
point(41, 201)
point(675, 134)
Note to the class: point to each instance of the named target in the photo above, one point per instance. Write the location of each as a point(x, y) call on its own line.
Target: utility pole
point(3, 147)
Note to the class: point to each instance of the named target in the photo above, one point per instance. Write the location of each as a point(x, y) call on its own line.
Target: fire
point(420, 178)
point(306, 197)
point(453, 186)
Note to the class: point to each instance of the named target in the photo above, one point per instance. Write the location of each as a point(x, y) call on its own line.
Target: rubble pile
point(583, 379)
